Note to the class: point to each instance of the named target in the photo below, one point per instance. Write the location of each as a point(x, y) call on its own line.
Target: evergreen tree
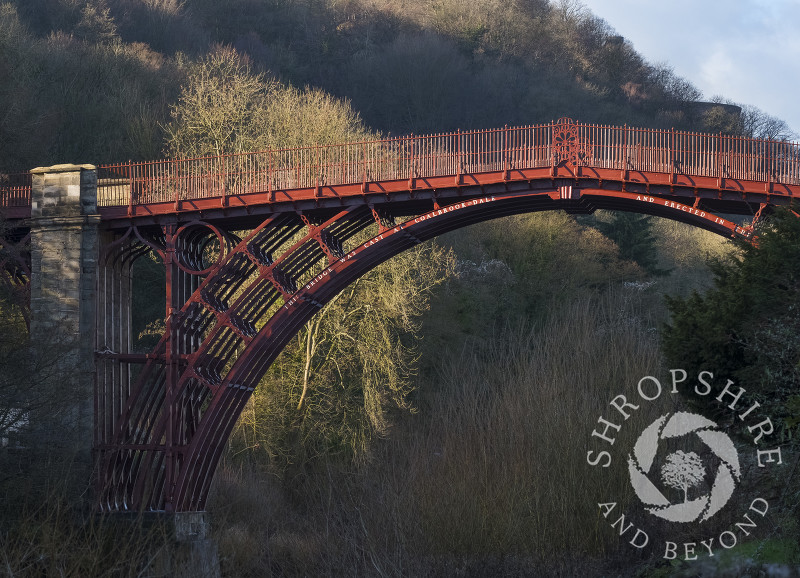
point(747, 326)
point(633, 233)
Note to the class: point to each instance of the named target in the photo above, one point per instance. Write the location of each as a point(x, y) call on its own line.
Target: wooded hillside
point(94, 81)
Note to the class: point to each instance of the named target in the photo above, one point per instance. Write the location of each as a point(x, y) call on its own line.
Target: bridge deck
point(720, 169)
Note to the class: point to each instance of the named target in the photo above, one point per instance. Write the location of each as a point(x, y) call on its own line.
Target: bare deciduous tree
point(336, 385)
point(226, 107)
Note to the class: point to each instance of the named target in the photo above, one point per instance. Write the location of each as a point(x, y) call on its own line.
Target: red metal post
point(459, 160)
point(130, 188)
point(269, 175)
point(175, 184)
point(506, 163)
point(364, 160)
point(624, 175)
point(552, 149)
point(411, 171)
point(672, 158)
point(317, 188)
point(224, 173)
point(769, 167)
point(172, 361)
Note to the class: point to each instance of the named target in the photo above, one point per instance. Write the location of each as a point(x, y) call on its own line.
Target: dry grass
point(489, 478)
point(503, 467)
point(55, 540)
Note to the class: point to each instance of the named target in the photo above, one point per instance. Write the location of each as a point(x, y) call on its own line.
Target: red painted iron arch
point(166, 447)
point(319, 217)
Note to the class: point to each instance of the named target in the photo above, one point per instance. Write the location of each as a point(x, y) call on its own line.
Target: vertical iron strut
point(173, 356)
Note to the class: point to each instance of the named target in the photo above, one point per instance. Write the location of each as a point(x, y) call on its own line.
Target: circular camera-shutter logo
point(683, 470)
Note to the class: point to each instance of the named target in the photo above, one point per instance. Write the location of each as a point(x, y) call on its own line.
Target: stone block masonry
point(64, 254)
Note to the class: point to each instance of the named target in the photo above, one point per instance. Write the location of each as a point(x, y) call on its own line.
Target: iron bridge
point(291, 228)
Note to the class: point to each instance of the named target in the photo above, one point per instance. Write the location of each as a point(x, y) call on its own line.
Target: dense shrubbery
point(69, 100)
point(746, 325)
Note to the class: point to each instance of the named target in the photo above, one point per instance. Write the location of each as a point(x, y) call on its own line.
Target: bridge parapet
point(715, 163)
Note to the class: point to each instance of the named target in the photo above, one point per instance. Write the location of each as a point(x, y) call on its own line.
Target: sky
point(747, 51)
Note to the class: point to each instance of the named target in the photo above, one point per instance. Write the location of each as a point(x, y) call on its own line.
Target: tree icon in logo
point(684, 470)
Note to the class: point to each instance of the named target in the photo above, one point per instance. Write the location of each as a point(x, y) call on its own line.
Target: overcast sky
point(747, 51)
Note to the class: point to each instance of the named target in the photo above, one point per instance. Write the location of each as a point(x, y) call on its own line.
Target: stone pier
point(64, 252)
point(69, 304)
